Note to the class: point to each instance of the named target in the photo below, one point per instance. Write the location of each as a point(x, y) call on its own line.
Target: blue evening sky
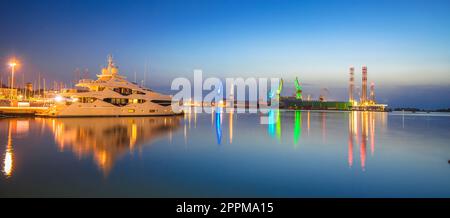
point(404, 43)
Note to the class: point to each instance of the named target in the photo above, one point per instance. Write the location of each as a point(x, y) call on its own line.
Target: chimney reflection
point(372, 133)
point(361, 127)
point(107, 139)
point(351, 128)
point(364, 131)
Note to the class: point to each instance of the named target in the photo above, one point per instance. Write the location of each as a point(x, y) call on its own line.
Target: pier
point(20, 111)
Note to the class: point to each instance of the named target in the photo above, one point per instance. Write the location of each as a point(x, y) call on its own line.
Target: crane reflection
point(360, 136)
point(218, 123)
point(274, 126)
point(297, 126)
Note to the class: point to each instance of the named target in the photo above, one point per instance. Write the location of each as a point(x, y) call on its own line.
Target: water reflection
point(8, 159)
point(308, 122)
point(218, 122)
point(271, 121)
point(274, 126)
point(17, 129)
point(230, 125)
point(361, 127)
point(297, 127)
point(324, 126)
point(106, 139)
point(289, 149)
point(361, 130)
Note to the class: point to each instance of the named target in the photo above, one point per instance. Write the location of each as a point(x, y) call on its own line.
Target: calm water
point(305, 154)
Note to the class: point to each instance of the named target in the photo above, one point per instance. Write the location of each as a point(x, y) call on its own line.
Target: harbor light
point(58, 98)
point(13, 63)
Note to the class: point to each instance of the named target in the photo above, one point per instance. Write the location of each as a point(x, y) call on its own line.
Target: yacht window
point(123, 91)
point(117, 101)
point(87, 99)
point(162, 102)
point(138, 92)
point(137, 101)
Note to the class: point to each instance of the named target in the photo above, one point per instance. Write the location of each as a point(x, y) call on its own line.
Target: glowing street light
point(13, 65)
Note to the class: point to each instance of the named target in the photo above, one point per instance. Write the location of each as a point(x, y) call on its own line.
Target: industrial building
point(364, 103)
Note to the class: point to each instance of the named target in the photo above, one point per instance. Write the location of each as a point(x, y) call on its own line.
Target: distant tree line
point(443, 110)
point(409, 109)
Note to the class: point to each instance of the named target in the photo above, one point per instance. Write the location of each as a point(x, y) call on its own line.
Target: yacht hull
point(101, 109)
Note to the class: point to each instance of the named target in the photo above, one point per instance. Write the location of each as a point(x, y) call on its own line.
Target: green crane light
point(280, 88)
point(298, 87)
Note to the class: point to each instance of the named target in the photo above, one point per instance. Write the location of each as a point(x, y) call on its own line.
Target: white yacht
point(110, 95)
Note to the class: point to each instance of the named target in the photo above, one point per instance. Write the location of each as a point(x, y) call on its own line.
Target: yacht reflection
point(361, 127)
point(107, 139)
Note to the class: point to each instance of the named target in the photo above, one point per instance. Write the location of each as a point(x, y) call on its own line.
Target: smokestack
point(351, 85)
point(372, 92)
point(364, 84)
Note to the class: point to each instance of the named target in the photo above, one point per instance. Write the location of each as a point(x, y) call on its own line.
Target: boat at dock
point(110, 95)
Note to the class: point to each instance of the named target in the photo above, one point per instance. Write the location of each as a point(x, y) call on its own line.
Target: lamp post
point(12, 64)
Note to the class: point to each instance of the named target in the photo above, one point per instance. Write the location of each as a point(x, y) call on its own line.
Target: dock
point(21, 111)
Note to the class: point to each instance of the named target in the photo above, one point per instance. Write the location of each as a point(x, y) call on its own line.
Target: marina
point(225, 107)
point(110, 95)
point(306, 154)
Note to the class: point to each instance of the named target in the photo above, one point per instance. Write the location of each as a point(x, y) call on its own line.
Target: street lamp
point(12, 64)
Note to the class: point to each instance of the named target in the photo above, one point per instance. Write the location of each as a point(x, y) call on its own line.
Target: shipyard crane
point(298, 88)
point(280, 88)
point(323, 94)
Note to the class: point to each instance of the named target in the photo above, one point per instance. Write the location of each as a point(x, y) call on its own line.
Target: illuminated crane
point(298, 87)
point(280, 88)
point(276, 94)
point(323, 94)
